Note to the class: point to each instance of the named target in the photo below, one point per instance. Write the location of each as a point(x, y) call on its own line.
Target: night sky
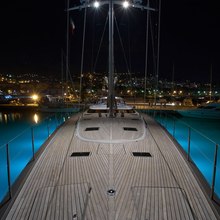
point(33, 35)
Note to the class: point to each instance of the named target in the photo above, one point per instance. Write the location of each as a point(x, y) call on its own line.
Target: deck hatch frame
point(141, 154)
point(130, 129)
point(92, 129)
point(80, 154)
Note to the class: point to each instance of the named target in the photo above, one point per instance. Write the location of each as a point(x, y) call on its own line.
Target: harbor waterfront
point(22, 135)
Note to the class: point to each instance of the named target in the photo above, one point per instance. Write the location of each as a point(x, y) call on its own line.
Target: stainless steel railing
point(169, 122)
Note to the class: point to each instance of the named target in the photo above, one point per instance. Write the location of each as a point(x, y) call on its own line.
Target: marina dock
point(143, 179)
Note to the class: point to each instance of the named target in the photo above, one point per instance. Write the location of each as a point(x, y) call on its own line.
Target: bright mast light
point(125, 4)
point(96, 4)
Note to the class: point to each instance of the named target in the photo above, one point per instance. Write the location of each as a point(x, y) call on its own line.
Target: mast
point(67, 43)
point(146, 56)
point(111, 96)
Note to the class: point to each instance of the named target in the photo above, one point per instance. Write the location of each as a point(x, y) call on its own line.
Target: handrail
point(199, 132)
point(189, 126)
point(2, 146)
point(210, 141)
point(21, 133)
point(8, 142)
point(50, 121)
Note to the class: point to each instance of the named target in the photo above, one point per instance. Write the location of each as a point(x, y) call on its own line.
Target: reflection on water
point(36, 118)
point(6, 117)
point(13, 123)
point(23, 133)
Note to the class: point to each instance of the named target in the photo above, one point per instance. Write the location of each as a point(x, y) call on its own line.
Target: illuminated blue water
point(16, 130)
point(204, 135)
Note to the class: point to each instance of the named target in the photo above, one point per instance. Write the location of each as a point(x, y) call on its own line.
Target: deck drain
point(141, 154)
point(111, 192)
point(130, 129)
point(80, 154)
point(92, 129)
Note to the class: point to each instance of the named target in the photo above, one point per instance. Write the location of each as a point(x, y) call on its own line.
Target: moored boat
point(210, 111)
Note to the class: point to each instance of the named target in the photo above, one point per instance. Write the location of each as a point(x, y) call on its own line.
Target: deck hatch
point(141, 154)
point(80, 154)
point(130, 129)
point(92, 129)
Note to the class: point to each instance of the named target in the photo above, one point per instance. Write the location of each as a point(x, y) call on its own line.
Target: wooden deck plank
point(146, 188)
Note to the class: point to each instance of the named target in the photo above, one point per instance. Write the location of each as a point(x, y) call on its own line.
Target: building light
point(35, 97)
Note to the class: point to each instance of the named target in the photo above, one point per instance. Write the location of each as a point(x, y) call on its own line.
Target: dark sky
point(33, 35)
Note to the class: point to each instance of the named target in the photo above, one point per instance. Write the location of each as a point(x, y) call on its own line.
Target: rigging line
point(152, 42)
point(71, 79)
point(96, 60)
point(129, 44)
point(62, 69)
point(70, 76)
point(158, 44)
point(146, 49)
point(82, 57)
point(67, 40)
point(93, 40)
point(129, 72)
point(122, 46)
point(126, 62)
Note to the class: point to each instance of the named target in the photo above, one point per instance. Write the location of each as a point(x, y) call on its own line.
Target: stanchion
point(214, 171)
point(174, 127)
point(189, 139)
point(8, 171)
point(48, 129)
point(32, 138)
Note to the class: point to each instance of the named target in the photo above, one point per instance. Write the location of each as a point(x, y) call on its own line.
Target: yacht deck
point(144, 178)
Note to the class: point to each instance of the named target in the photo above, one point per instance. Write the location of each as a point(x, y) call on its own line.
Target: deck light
point(96, 4)
point(125, 4)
